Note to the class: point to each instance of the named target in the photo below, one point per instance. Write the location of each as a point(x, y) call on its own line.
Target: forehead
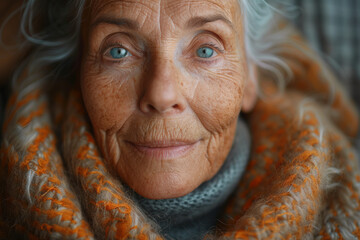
point(178, 11)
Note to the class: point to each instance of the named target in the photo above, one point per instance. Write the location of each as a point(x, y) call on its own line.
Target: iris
point(205, 52)
point(118, 52)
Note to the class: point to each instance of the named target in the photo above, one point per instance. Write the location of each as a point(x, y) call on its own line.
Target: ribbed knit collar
point(191, 216)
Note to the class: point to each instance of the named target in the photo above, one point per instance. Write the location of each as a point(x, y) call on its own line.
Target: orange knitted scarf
point(302, 181)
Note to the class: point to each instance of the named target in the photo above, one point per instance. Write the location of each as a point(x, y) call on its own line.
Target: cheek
point(109, 98)
point(218, 97)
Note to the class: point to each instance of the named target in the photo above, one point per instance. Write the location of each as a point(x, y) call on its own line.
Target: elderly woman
point(124, 123)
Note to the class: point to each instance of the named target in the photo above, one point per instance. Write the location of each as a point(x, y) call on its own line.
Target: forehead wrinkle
point(169, 16)
point(128, 23)
point(201, 12)
point(111, 7)
point(159, 18)
point(97, 6)
point(163, 18)
point(175, 11)
point(199, 21)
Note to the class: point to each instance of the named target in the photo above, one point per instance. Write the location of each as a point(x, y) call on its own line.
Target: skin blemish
point(165, 116)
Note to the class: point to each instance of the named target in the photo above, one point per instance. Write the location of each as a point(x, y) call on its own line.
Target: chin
point(164, 172)
point(166, 185)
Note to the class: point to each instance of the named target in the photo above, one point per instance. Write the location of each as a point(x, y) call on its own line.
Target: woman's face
point(163, 82)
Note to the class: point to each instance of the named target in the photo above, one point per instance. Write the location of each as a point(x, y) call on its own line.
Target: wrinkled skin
point(163, 116)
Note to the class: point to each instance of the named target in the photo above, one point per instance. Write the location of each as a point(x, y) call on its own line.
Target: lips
point(164, 150)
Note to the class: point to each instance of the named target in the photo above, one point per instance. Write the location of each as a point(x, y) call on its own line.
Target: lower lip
point(165, 153)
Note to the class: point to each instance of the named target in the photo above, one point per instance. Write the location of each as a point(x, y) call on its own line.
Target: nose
point(162, 93)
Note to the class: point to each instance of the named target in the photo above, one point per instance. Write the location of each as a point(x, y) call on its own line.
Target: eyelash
point(210, 61)
point(109, 46)
point(213, 46)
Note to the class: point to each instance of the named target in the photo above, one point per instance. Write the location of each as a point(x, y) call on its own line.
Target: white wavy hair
point(55, 55)
point(56, 43)
point(52, 29)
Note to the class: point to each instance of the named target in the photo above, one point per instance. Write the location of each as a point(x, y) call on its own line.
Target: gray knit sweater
point(194, 215)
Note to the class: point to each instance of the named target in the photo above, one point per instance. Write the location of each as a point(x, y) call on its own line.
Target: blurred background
point(331, 26)
point(333, 29)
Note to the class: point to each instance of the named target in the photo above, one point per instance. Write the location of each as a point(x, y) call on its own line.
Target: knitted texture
point(196, 213)
point(302, 180)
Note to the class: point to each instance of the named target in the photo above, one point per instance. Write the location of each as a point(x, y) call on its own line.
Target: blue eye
point(205, 52)
point(119, 52)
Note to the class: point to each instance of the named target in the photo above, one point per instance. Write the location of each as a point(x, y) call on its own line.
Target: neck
point(177, 217)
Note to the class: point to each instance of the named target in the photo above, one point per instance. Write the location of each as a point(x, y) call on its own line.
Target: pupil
point(205, 52)
point(118, 52)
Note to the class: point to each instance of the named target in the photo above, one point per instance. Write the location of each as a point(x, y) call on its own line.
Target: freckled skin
point(162, 91)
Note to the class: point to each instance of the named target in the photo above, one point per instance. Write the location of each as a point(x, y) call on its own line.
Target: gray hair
point(56, 50)
point(55, 56)
point(56, 44)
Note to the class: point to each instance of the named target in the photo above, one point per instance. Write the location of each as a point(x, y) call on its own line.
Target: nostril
point(157, 100)
point(151, 108)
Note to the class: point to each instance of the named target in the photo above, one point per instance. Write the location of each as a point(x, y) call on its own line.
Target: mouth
point(164, 150)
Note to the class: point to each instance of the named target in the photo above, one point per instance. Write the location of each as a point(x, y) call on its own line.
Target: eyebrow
point(196, 22)
point(131, 24)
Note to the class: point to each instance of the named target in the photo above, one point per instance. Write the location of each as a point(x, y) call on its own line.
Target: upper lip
point(163, 144)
